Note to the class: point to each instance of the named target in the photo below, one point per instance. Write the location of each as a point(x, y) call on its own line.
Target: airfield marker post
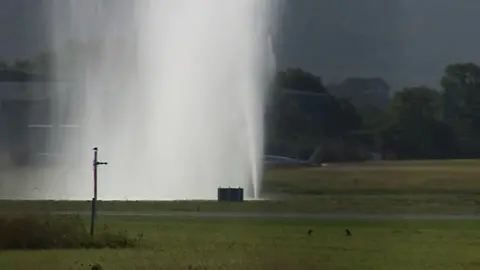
point(95, 189)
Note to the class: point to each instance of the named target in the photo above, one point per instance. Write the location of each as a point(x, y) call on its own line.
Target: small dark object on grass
point(347, 232)
point(96, 267)
point(310, 232)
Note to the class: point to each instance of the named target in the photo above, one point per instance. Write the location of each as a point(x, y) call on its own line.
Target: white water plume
point(171, 91)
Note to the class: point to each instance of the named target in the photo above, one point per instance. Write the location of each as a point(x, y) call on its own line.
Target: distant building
point(363, 91)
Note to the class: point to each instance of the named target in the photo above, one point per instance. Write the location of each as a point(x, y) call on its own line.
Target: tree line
point(416, 122)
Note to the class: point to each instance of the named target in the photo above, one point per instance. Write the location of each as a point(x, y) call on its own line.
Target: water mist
point(172, 93)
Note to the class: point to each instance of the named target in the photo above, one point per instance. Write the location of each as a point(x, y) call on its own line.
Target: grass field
point(380, 178)
point(448, 186)
point(382, 187)
point(272, 244)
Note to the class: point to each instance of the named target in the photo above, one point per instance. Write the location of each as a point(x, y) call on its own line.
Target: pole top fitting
point(95, 149)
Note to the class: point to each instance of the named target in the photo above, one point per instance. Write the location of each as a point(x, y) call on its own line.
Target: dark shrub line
point(37, 231)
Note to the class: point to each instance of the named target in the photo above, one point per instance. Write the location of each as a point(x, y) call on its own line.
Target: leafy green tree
point(461, 97)
point(346, 115)
point(416, 129)
point(295, 122)
point(416, 103)
point(372, 116)
point(288, 126)
point(298, 79)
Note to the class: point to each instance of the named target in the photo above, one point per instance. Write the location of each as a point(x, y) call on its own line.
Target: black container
point(230, 195)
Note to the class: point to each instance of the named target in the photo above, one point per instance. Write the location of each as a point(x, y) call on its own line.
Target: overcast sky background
point(406, 42)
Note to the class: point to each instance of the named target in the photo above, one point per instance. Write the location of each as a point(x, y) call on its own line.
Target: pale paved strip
point(318, 216)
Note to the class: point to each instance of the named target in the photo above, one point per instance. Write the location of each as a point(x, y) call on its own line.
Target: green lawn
point(413, 204)
point(448, 186)
point(272, 244)
point(385, 177)
point(381, 187)
point(379, 178)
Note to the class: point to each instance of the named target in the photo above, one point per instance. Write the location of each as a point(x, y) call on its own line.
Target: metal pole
point(94, 199)
point(95, 175)
point(95, 189)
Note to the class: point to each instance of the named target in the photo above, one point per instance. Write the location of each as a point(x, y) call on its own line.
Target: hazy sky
point(407, 42)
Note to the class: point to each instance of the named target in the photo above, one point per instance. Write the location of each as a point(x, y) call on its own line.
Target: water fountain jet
point(172, 91)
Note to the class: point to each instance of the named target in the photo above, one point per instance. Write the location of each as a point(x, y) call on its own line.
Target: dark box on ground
point(230, 195)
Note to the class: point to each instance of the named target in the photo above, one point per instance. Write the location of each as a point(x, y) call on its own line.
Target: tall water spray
point(172, 93)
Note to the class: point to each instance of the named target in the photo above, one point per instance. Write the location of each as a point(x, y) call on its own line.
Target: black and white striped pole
point(95, 189)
